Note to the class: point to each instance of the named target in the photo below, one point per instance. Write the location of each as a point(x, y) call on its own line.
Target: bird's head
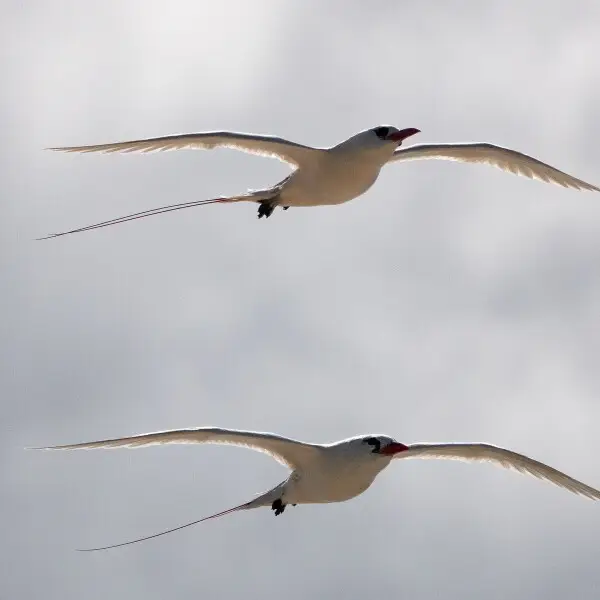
point(379, 141)
point(378, 446)
point(387, 133)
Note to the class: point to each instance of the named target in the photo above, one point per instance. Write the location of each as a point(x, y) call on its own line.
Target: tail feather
point(250, 197)
point(264, 499)
point(244, 506)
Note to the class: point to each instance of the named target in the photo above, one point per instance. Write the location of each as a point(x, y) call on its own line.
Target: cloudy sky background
point(450, 303)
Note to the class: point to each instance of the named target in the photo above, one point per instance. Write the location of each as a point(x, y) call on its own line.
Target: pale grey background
point(451, 303)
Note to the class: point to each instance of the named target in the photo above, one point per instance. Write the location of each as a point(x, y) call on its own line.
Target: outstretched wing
point(496, 156)
point(289, 452)
point(503, 458)
point(276, 147)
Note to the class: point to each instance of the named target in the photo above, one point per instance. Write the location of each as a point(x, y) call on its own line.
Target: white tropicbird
point(327, 176)
point(322, 473)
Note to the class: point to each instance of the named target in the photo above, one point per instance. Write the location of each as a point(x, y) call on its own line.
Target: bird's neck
point(366, 157)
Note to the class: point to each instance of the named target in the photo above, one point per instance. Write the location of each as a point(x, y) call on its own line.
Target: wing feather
point(276, 147)
point(291, 453)
point(496, 156)
point(503, 458)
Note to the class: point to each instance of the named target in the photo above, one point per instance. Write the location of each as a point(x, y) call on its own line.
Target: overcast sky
point(450, 303)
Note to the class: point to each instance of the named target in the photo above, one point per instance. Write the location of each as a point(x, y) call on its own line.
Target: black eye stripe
point(371, 441)
point(382, 132)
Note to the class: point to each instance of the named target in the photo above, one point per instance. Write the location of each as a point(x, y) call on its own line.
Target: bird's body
point(336, 176)
point(336, 472)
point(327, 176)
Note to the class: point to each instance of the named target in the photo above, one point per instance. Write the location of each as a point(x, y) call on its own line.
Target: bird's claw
point(278, 507)
point(265, 209)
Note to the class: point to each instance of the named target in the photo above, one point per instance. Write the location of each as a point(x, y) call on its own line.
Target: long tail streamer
point(148, 213)
point(149, 537)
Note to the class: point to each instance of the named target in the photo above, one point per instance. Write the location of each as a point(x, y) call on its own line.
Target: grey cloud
point(451, 302)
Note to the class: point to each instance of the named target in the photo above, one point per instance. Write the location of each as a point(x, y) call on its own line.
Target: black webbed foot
point(278, 506)
point(265, 209)
point(285, 207)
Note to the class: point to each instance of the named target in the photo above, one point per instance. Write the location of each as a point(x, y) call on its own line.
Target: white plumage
point(327, 176)
point(325, 473)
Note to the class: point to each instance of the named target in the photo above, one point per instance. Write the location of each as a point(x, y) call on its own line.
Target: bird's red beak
point(393, 448)
point(400, 136)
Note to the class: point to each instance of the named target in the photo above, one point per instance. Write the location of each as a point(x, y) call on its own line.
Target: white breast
point(335, 179)
point(334, 480)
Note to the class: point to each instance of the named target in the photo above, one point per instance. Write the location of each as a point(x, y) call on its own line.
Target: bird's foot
point(265, 209)
point(278, 507)
point(285, 207)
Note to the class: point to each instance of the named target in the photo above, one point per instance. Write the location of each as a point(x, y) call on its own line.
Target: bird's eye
point(381, 132)
point(373, 441)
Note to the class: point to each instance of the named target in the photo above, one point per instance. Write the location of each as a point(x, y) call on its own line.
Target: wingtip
point(588, 187)
point(70, 149)
point(44, 448)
